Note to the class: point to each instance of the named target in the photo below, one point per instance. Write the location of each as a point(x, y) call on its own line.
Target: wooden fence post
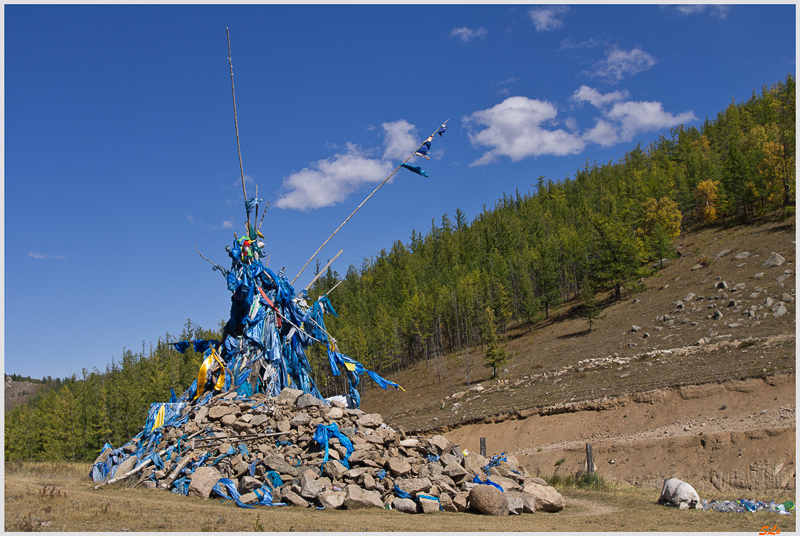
point(483, 447)
point(589, 460)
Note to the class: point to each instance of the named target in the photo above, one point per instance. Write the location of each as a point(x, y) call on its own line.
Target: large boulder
point(203, 479)
point(413, 485)
point(528, 501)
point(293, 498)
point(370, 420)
point(404, 505)
point(428, 506)
point(332, 499)
point(128, 464)
point(678, 493)
point(547, 498)
point(488, 500)
point(248, 484)
point(357, 497)
point(398, 466)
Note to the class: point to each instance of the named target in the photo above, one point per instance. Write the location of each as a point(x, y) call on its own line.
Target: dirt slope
point(681, 432)
point(647, 385)
point(18, 393)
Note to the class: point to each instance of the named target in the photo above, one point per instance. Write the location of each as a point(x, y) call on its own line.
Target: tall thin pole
point(236, 123)
point(365, 200)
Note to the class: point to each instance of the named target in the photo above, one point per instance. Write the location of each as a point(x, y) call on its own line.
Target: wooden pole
point(323, 270)
point(236, 124)
point(483, 447)
point(589, 460)
point(364, 201)
point(139, 467)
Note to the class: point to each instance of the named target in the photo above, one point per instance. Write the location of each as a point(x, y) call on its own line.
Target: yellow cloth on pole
point(159, 422)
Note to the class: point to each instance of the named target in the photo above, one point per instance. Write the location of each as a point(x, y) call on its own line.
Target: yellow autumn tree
point(779, 173)
point(706, 196)
point(663, 212)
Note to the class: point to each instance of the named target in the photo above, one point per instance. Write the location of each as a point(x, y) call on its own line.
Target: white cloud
point(467, 34)
point(603, 133)
point(547, 18)
point(619, 63)
point(327, 182)
point(515, 128)
point(633, 117)
point(719, 11)
point(502, 86)
point(400, 139)
point(595, 98)
point(227, 224)
point(624, 119)
point(37, 255)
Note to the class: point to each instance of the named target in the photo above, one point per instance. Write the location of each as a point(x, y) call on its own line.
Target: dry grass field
point(52, 497)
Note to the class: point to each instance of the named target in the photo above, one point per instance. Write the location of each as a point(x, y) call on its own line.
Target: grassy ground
point(59, 497)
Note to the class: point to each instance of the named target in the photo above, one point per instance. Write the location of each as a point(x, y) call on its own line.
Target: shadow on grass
point(576, 334)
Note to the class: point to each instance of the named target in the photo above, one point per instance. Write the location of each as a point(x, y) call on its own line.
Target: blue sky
point(120, 149)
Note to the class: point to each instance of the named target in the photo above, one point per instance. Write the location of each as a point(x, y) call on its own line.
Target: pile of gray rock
point(251, 441)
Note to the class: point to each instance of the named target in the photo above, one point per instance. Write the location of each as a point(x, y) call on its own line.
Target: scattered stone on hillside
point(779, 310)
point(689, 297)
point(635, 328)
point(783, 277)
point(721, 285)
point(768, 302)
point(697, 267)
point(722, 253)
point(774, 260)
point(787, 298)
point(743, 255)
point(759, 275)
point(716, 315)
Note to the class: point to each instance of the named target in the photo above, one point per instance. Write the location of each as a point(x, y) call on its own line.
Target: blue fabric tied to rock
point(402, 494)
point(478, 480)
point(430, 497)
point(230, 485)
point(274, 479)
point(265, 497)
point(324, 433)
point(495, 461)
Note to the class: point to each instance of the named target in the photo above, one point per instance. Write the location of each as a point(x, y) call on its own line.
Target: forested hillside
point(464, 282)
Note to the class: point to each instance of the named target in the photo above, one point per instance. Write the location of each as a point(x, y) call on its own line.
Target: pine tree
point(494, 354)
point(591, 307)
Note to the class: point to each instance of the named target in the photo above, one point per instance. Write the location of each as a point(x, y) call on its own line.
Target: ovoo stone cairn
point(295, 450)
